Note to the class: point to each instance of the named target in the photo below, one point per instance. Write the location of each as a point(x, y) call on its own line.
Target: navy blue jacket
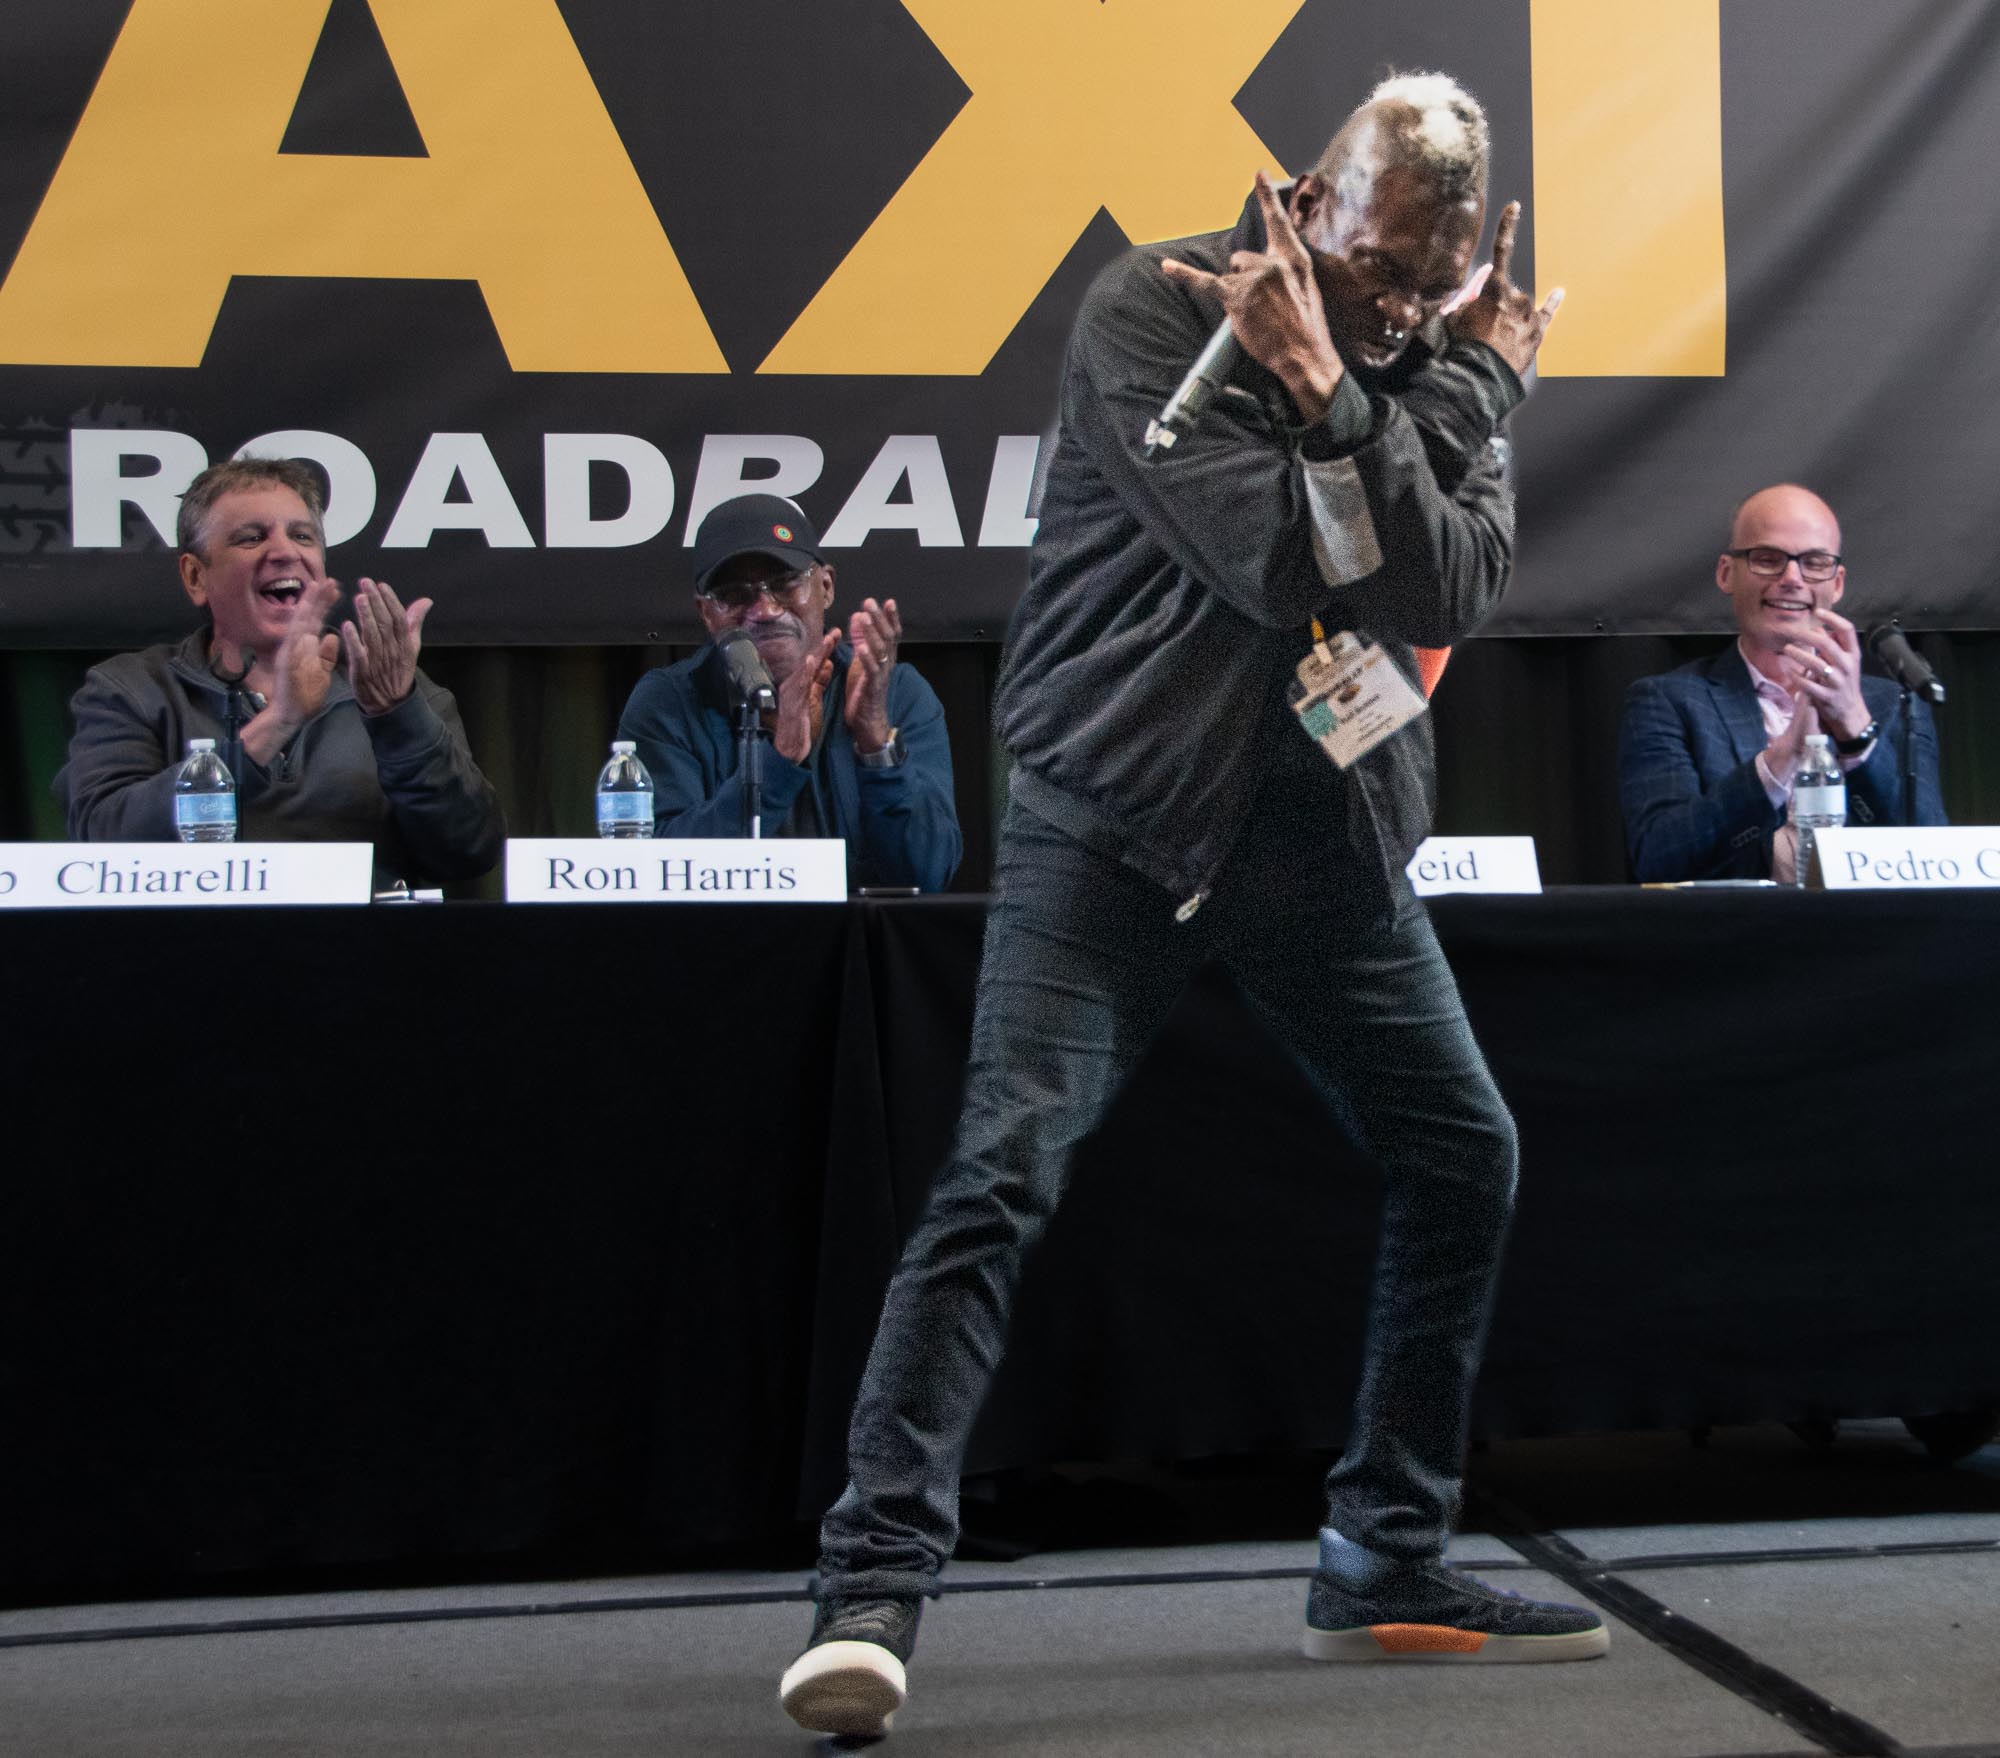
point(900, 824)
point(1695, 807)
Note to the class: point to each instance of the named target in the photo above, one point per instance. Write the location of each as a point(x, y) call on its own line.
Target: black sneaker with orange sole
point(1362, 1606)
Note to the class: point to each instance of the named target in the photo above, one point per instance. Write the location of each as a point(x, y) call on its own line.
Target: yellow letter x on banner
point(1067, 115)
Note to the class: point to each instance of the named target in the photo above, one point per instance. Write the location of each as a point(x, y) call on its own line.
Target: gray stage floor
point(1792, 1603)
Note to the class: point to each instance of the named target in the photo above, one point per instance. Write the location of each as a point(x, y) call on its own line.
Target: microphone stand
point(1907, 737)
point(1908, 740)
point(234, 701)
point(755, 698)
point(750, 737)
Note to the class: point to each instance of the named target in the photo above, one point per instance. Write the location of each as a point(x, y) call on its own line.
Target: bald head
point(1784, 503)
point(1781, 568)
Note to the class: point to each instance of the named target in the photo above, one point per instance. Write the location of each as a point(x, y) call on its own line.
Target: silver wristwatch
point(889, 757)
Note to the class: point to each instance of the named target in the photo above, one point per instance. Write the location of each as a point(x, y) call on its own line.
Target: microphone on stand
point(238, 706)
point(748, 675)
point(1904, 663)
point(246, 657)
point(1211, 371)
point(751, 680)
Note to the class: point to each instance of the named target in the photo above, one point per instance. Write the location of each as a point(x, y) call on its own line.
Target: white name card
point(123, 875)
point(1495, 864)
point(590, 869)
point(1921, 857)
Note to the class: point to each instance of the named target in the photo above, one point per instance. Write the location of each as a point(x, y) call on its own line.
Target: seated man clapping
point(372, 753)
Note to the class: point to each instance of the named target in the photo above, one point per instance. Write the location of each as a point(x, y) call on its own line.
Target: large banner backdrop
point(537, 282)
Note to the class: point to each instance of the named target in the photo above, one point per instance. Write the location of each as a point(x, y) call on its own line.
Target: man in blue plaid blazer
point(1706, 753)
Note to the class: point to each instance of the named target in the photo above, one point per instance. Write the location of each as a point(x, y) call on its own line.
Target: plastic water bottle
point(624, 794)
point(204, 796)
point(1819, 798)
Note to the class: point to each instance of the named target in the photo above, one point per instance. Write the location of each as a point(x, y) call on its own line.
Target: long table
point(422, 1237)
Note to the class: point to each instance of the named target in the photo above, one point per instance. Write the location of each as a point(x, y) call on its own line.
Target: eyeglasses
point(788, 592)
point(1816, 565)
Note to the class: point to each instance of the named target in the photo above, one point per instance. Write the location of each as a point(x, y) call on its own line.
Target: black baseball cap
point(754, 524)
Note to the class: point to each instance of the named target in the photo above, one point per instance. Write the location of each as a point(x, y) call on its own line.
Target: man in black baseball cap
point(758, 567)
point(754, 524)
point(858, 740)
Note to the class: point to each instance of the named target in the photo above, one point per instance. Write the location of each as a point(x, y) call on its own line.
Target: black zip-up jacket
point(1170, 601)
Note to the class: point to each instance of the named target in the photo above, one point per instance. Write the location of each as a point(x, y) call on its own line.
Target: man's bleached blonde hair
point(1433, 124)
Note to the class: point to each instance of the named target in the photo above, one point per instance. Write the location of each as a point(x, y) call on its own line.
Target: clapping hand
point(305, 659)
point(300, 672)
point(382, 641)
point(874, 632)
point(796, 723)
point(1826, 665)
point(1786, 751)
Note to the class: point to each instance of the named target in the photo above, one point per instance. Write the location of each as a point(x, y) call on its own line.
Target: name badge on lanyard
point(1350, 697)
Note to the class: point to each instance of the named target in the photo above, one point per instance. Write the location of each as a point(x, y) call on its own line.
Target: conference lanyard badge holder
point(1349, 696)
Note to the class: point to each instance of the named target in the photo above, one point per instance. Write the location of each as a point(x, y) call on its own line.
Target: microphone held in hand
point(1210, 372)
point(1904, 663)
point(748, 676)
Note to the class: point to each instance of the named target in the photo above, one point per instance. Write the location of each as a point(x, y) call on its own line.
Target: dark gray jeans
point(1083, 959)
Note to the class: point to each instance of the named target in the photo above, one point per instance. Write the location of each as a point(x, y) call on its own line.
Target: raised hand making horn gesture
point(1495, 311)
point(1274, 304)
point(1345, 279)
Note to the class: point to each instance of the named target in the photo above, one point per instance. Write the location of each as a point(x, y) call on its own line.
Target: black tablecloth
point(353, 1237)
point(418, 1236)
point(1757, 1181)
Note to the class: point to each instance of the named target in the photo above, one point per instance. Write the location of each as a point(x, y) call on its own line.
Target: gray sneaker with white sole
point(851, 1677)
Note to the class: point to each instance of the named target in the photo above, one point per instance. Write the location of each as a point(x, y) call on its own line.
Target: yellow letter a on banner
point(174, 183)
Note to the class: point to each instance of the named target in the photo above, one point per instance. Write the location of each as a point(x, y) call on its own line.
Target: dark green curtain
point(1527, 735)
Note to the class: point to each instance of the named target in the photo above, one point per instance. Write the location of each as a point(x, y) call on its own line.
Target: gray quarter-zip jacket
point(403, 780)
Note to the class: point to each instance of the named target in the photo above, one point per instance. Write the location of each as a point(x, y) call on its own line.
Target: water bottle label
point(204, 810)
point(624, 808)
point(1826, 800)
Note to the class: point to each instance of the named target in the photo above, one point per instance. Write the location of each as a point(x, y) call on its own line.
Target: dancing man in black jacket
point(1220, 753)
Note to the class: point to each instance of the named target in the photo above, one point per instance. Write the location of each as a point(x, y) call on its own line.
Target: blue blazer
point(1694, 805)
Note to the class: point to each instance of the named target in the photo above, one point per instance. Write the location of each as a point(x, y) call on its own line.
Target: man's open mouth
point(282, 591)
